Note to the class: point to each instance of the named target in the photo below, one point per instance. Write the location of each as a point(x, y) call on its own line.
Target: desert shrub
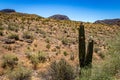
point(41, 57)
point(9, 61)
point(1, 33)
point(85, 74)
point(42, 32)
point(13, 36)
point(13, 28)
point(33, 58)
point(20, 73)
point(96, 73)
point(65, 53)
point(8, 47)
point(65, 41)
point(58, 47)
point(61, 71)
point(48, 46)
point(36, 58)
point(113, 67)
point(27, 35)
point(35, 45)
point(47, 40)
point(102, 76)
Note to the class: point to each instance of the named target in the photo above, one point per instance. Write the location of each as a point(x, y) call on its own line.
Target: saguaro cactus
point(82, 47)
point(88, 60)
point(84, 59)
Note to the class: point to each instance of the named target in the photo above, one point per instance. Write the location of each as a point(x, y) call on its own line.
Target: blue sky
point(79, 10)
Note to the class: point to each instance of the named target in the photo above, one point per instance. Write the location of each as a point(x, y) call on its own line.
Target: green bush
point(113, 65)
point(61, 71)
point(27, 35)
point(36, 58)
point(13, 36)
point(21, 73)
point(9, 61)
point(41, 57)
point(65, 53)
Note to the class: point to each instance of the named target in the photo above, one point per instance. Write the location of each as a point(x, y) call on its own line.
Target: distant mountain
point(109, 21)
point(7, 10)
point(60, 17)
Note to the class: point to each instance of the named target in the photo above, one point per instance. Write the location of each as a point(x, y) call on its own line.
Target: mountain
point(59, 17)
point(109, 21)
point(7, 10)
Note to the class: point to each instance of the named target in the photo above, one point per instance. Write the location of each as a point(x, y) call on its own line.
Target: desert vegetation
point(37, 48)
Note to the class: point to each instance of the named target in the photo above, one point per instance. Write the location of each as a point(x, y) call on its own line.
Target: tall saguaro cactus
point(85, 59)
point(82, 47)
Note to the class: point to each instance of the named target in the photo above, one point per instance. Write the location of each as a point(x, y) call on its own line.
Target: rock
point(60, 17)
point(28, 40)
point(9, 41)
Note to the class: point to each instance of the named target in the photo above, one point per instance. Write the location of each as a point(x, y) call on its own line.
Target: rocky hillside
point(24, 35)
point(109, 21)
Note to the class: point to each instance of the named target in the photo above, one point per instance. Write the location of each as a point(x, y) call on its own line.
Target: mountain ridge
point(7, 10)
point(115, 21)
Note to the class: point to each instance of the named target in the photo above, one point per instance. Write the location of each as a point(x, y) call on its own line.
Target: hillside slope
point(22, 34)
